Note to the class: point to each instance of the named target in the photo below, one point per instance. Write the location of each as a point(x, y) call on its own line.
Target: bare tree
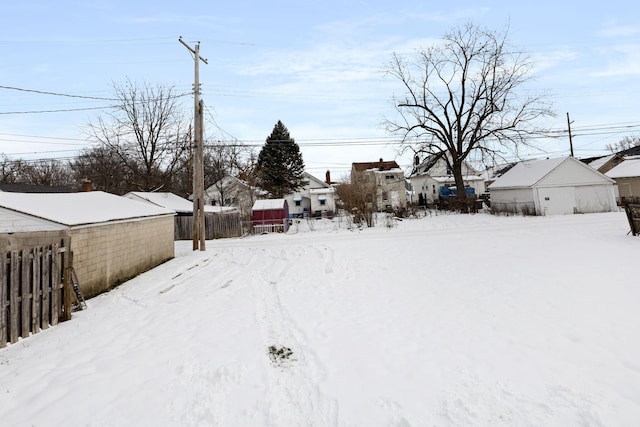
point(12, 171)
point(104, 167)
point(460, 97)
point(147, 131)
point(624, 144)
point(357, 196)
point(48, 172)
point(222, 159)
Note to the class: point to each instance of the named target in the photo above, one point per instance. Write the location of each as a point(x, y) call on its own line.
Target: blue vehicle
point(448, 193)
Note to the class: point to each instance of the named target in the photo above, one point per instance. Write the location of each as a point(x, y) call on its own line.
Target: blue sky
point(317, 66)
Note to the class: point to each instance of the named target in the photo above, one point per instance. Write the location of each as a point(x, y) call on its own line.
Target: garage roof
point(73, 209)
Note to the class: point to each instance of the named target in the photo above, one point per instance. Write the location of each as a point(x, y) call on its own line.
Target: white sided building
point(553, 187)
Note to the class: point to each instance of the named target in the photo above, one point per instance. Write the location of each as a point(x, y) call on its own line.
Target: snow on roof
point(627, 169)
point(172, 201)
point(268, 204)
point(447, 179)
point(16, 222)
point(527, 173)
point(598, 163)
point(79, 208)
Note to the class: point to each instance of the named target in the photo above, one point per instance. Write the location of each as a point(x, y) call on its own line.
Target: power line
point(42, 92)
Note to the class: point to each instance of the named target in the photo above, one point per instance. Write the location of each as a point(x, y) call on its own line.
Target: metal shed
point(553, 187)
point(112, 238)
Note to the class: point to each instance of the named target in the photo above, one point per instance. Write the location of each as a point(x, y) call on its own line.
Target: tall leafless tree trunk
point(461, 97)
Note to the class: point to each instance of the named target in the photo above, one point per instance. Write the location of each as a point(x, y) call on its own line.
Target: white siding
point(555, 200)
point(572, 173)
point(512, 200)
point(595, 198)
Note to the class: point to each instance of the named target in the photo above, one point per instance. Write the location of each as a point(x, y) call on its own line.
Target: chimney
point(327, 177)
point(86, 185)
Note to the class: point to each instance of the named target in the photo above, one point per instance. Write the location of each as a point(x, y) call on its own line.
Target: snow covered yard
point(454, 320)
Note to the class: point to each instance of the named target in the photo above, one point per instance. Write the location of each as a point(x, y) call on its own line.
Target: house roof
point(268, 204)
point(527, 173)
point(627, 169)
point(16, 222)
point(633, 151)
point(448, 179)
point(531, 172)
point(171, 201)
point(380, 165)
point(29, 188)
point(73, 209)
point(600, 161)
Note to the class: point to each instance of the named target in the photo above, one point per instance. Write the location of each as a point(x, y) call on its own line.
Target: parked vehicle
point(451, 192)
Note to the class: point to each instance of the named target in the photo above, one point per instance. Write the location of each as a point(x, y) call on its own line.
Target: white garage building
point(553, 187)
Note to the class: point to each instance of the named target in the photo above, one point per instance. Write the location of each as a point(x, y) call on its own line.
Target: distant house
point(232, 191)
point(433, 172)
point(112, 238)
point(627, 177)
point(553, 187)
point(387, 179)
point(220, 221)
point(604, 164)
point(270, 215)
point(315, 198)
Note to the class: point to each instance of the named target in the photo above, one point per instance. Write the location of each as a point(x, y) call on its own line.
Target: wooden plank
point(25, 300)
point(67, 265)
point(46, 286)
point(3, 299)
point(14, 295)
point(36, 290)
point(55, 285)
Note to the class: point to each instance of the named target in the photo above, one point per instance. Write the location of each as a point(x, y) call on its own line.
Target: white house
point(387, 179)
point(232, 191)
point(553, 187)
point(315, 198)
point(432, 173)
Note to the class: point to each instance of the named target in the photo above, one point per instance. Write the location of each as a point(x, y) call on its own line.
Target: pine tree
point(280, 165)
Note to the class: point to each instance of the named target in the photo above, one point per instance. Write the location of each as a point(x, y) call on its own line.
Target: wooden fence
point(216, 225)
point(35, 292)
point(632, 209)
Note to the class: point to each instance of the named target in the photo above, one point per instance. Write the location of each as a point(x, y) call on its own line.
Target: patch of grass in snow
point(278, 355)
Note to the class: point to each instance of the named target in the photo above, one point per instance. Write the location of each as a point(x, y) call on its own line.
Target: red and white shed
point(270, 215)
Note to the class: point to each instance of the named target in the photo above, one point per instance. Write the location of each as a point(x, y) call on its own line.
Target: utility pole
point(198, 167)
point(570, 137)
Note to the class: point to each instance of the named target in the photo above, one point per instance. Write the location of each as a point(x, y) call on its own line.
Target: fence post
point(3, 299)
point(68, 264)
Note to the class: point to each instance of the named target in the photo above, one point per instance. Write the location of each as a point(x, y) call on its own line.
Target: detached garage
point(112, 238)
point(553, 187)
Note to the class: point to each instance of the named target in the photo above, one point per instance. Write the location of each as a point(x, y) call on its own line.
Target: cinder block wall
point(107, 255)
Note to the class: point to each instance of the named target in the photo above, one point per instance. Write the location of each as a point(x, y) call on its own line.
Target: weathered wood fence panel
point(216, 226)
point(33, 290)
point(633, 215)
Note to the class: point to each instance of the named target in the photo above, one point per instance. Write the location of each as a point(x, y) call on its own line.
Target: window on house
point(323, 202)
point(385, 195)
point(389, 177)
point(298, 202)
point(434, 189)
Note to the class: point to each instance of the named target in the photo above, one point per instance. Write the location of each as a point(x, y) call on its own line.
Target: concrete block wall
point(106, 255)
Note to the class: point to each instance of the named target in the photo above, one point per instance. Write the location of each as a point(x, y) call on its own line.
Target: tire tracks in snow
point(293, 393)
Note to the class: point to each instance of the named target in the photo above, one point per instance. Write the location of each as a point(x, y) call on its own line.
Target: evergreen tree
point(280, 165)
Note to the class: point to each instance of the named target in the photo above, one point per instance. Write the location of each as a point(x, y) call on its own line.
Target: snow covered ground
point(449, 320)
